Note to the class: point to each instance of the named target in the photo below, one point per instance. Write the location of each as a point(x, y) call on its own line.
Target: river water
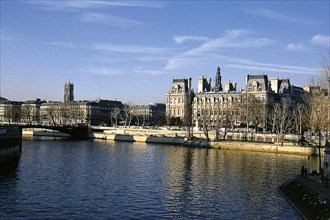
point(63, 179)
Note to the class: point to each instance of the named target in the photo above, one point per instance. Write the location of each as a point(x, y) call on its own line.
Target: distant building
point(152, 114)
point(70, 113)
point(218, 86)
point(178, 99)
point(30, 111)
point(204, 84)
point(106, 108)
point(68, 92)
point(315, 90)
point(10, 111)
point(213, 106)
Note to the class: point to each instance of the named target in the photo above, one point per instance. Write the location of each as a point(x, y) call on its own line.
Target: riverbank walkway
point(309, 194)
point(317, 184)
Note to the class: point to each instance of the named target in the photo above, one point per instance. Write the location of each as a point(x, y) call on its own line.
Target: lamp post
point(319, 130)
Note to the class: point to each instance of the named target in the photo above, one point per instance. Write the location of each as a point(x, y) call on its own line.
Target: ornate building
point(212, 106)
point(217, 106)
point(178, 99)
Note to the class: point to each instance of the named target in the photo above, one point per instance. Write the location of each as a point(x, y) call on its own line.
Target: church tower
point(68, 92)
point(218, 87)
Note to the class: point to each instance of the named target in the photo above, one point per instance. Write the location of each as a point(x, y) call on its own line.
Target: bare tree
point(325, 72)
point(127, 115)
point(298, 117)
point(115, 113)
point(27, 112)
point(252, 111)
point(52, 113)
point(8, 113)
point(283, 120)
point(65, 114)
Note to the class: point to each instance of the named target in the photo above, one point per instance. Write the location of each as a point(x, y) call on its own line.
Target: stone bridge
point(75, 131)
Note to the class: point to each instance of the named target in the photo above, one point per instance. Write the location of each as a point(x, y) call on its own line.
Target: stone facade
point(10, 111)
point(210, 105)
point(148, 114)
point(178, 99)
point(30, 111)
point(68, 92)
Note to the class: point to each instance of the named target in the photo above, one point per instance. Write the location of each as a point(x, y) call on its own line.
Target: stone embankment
point(264, 147)
point(138, 138)
point(246, 142)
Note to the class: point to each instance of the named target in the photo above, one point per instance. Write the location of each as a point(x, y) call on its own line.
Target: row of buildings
point(210, 105)
point(69, 112)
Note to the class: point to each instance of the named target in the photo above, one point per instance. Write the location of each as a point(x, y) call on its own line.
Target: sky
point(132, 50)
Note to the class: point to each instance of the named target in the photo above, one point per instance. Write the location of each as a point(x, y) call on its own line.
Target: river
point(93, 179)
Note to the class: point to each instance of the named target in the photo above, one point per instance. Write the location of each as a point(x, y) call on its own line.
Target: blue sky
point(131, 50)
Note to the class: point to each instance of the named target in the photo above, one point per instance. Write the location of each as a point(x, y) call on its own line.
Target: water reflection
point(102, 179)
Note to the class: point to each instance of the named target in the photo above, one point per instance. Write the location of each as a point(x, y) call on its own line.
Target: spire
point(218, 87)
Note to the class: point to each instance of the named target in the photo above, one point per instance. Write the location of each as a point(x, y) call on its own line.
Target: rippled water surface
point(64, 179)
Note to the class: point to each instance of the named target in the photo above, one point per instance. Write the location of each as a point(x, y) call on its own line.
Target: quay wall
point(265, 147)
point(164, 136)
point(232, 136)
point(138, 138)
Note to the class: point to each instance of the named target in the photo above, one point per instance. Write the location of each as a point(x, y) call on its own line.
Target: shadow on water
point(8, 169)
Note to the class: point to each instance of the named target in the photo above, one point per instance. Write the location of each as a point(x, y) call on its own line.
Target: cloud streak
point(100, 70)
point(128, 48)
point(210, 52)
point(267, 13)
point(109, 20)
point(234, 39)
point(207, 52)
point(69, 45)
point(88, 4)
point(182, 39)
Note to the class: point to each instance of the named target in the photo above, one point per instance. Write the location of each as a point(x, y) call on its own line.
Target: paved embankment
point(138, 138)
point(177, 137)
point(310, 197)
point(264, 147)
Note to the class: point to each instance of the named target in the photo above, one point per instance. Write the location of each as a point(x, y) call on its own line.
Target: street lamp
point(318, 126)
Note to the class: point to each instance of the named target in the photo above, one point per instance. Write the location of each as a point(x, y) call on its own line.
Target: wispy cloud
point(278, 16)
point(110, 71)
point(100, 70)
point(91, 4)
point(109, 20)
point(62, 44)
point(181, 39)
point(293, 47)
point(269, 67)
point(128, 48)
point(209, 52)
point(235, 39)
point(322, 40)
